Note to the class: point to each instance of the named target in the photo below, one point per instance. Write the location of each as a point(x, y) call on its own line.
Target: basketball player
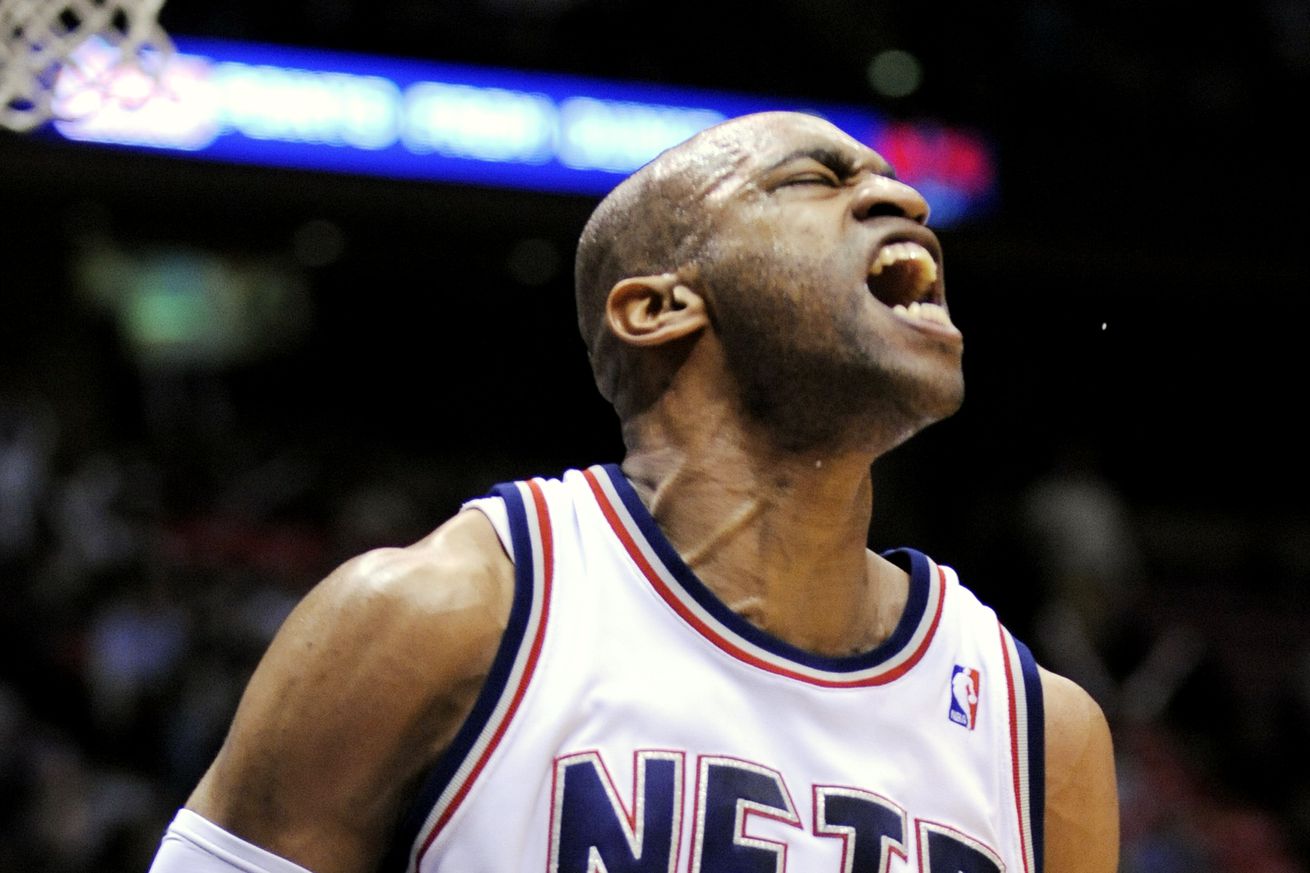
point(689, 662)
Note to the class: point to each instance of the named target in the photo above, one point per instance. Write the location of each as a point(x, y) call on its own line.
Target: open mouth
point(904, 278)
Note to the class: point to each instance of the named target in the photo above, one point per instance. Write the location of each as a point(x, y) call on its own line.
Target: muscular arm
point(367, 681)
point(1082, 806)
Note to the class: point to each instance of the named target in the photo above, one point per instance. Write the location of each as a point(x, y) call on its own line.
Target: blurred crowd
point(1210, 769)
point(132, 619)
point(135, 610)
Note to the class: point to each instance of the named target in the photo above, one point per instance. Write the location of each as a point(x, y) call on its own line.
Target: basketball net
point(51, 50)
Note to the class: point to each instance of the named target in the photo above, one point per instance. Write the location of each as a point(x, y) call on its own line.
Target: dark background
point(1130, 453)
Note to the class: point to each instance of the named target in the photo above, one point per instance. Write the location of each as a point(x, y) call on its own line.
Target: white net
point(39, 46)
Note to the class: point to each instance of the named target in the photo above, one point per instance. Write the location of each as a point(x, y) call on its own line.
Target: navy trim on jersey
point(915, 563)
point(1032, 684)
point(441, 774)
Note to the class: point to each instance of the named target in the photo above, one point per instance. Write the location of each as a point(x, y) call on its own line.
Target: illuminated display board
point(311, 109)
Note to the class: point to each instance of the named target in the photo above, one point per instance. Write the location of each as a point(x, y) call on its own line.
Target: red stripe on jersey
point(706, 630)
point(529, 666)
point(1014, 748)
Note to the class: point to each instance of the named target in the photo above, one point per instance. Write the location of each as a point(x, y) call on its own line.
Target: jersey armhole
point(519, 514)
point(1028, 748)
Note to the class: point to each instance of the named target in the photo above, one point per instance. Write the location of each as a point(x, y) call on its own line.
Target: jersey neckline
point(680, 587)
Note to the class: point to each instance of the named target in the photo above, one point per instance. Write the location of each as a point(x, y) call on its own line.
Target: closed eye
point(810, 179)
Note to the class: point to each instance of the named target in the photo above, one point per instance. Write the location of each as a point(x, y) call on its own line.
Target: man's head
point(802, 256)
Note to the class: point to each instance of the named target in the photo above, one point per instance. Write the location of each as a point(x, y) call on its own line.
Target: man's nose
point(883, 195)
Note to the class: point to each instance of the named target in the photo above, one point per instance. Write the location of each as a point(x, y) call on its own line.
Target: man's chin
point(921, 409)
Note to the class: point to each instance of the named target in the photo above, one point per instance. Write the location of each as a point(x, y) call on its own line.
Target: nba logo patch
point(965, 683)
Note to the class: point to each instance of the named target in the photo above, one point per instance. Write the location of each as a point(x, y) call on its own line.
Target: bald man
point(689, 661)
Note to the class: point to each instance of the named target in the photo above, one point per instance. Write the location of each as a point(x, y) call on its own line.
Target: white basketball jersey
point(632, 722)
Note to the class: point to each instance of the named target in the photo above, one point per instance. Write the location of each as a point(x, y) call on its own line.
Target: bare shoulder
point(367, 681)
point(1082, 807)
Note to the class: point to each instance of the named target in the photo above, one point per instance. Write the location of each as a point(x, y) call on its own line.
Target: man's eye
point(810, 179)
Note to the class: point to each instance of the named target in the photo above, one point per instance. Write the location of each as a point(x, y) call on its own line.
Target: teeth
point(908, 253)
point(923, 312)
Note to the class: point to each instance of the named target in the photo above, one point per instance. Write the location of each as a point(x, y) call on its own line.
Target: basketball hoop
point(39, 47)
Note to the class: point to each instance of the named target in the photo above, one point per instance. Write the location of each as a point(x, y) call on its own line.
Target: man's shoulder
point(1075, 723)
point(458, 581)
point(364, 685)
point(465, 545)
point(1082, 810)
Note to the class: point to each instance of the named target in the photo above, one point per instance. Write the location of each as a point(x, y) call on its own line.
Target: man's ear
point(653, 310)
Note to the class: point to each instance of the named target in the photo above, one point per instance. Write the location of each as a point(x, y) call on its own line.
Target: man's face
point(825, 287)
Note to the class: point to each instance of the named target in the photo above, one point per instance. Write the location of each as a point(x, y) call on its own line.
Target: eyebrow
point(841, 162)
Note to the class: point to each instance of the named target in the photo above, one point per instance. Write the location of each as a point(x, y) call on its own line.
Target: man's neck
point(779, 537)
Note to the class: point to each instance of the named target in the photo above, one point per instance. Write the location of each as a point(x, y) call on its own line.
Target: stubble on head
point(654, 222)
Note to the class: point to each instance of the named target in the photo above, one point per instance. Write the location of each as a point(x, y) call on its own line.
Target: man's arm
point(1082, 802)
point(367, 681)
